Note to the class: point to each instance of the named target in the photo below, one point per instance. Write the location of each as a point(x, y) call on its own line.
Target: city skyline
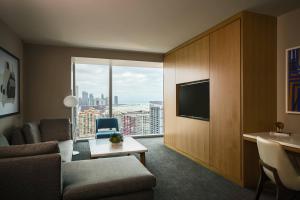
point(131, 122)
point(131, 84)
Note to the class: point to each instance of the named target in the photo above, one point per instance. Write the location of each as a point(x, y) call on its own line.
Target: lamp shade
point(70, 101)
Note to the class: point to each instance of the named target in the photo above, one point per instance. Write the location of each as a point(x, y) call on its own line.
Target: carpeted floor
point(179, 178)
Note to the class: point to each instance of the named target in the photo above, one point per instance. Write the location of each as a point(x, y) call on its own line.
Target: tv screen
point(193, 100)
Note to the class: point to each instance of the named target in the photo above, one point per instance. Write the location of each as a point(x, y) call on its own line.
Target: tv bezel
point(177, 99)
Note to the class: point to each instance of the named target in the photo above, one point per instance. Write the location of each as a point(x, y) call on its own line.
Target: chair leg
point(262, 179)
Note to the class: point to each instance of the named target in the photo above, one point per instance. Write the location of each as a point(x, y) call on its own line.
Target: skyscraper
point(77, 91)
point(87, 122)
point(91, 100)
point(85, 98)
point(116, 100)
point(136, 123)
point(156, 117)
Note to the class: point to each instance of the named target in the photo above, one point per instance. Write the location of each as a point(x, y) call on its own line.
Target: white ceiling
point(138, 25)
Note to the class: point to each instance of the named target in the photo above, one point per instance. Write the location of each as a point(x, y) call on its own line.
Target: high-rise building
point(85, 98)
point(87, 122)
point(116, 100)
point(156, 117)
point(136, 123)
point(77, 91)
point(98, 101)
point(91, 100)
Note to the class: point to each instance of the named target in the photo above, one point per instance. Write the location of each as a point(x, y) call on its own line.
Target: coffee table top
point(104, 148)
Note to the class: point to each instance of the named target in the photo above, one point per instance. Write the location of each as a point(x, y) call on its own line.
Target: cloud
point(131, 84)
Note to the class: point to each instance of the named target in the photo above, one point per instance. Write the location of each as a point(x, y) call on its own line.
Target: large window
point(130, 91)
point(92, 89)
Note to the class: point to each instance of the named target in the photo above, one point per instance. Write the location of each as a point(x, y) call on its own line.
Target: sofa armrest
point(33, 177)
point(29, 149)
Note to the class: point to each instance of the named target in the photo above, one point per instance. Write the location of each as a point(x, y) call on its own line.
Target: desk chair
point(276, 166)
point(106, 123)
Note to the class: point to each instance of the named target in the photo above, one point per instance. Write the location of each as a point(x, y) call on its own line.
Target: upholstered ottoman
point(116, 178)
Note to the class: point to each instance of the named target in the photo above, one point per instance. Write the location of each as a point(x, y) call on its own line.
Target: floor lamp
point(71, 102)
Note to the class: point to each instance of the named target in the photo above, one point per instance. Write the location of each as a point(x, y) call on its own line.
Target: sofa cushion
point(66, 150)
point(95, 179)
point(55, 129)
point(31, 178)
point(3, 141)
point(17, 137)
point(31, 133)
point(29, 149)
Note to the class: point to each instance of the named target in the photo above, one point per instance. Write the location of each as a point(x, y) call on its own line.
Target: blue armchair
point(106, 123)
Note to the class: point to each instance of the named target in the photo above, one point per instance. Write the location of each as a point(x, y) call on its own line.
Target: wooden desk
point(289, 143)
point(251, 157)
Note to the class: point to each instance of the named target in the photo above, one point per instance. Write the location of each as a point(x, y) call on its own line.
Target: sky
point(131, 84)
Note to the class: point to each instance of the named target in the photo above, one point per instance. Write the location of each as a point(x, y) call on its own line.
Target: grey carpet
point(179, 178)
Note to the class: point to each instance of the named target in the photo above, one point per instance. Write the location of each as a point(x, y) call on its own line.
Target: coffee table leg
point(143, 158)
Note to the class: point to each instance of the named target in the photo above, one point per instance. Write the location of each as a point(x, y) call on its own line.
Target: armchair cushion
point(29, 150)
point(100, 178)
point(32, 133)
point(105, 133)
point(3, 141)
point(55, 129)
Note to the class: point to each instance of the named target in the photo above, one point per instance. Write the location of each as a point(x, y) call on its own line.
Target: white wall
point(288, 35)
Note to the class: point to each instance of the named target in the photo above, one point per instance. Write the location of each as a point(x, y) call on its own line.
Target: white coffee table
point(104, 148)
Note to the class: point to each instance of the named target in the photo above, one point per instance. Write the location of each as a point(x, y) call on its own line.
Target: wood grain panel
point(259, 73)
point(193, 138)
point(251, 161)
point(169, 100)
point(193, 61)
point(225, 135)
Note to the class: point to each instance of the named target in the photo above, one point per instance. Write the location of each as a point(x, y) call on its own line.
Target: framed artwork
point(9, 84)
point(293, 80)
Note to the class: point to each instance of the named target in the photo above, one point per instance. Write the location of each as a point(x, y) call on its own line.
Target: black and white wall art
point(9, 84)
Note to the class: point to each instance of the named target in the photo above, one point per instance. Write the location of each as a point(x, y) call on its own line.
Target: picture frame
point(293, 80)
point(9, 84)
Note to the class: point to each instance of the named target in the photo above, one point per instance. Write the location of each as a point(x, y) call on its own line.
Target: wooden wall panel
point(193, 61)
point(239, 57)
point(189, 136)
point(225, 135)
point(170, 100)
point(259, 73)
point(193, 138)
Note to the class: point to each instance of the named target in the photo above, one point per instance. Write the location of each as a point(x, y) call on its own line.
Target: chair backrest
point(272, 154)
point(107, 123)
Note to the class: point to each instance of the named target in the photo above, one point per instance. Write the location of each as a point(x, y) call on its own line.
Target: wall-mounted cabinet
point(239, 58)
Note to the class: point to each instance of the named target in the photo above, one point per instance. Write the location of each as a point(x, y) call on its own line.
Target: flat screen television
point(193, 100)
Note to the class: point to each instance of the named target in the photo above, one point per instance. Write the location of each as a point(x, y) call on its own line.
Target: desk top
point(290, 143)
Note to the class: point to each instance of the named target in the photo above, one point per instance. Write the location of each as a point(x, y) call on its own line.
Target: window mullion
point(110, 89)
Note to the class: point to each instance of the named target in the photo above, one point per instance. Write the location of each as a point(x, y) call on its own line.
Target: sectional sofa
point(41, 168)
